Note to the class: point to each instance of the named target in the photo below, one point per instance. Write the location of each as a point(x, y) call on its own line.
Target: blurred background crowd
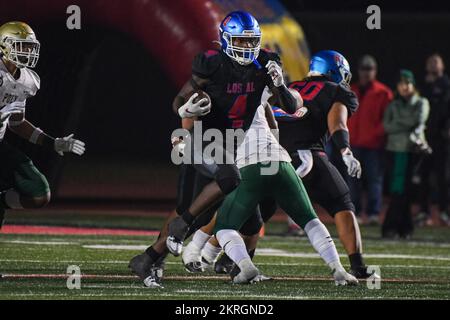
point(401, 137)
point(112, 83)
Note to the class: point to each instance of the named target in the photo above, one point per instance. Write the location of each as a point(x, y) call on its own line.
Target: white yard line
point(279, 264)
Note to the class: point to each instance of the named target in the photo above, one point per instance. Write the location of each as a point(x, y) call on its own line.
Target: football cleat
point(141, 265)
point(154, 280)
point(178, 230)
point(248, 273)
point(342, 278)
point(151, 274)
point(224, 265)
point(261, 278)
point(192, 258)
point(361, 273)
point(174, 245)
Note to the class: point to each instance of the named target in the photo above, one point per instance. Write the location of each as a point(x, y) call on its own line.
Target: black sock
point(152, 254)
point(188, 217)
point(356, 261)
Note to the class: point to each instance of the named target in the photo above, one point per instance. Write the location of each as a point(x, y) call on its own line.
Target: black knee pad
point(227, 177)
point(252, 225)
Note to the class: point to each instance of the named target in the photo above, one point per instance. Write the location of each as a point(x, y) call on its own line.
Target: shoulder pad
point(346, 96)
point(32, 81)
point(206, 63)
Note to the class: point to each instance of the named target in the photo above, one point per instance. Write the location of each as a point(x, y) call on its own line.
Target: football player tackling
point(267, 172)
point(21, 183)
point(328, 102)
point(234, 78)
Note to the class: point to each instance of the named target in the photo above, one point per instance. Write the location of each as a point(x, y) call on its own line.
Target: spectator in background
point(367, 137)
point(433, 174)
point(404, 122)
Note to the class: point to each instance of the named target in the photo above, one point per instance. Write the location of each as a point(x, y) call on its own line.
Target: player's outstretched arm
point(184, 104)
point(24, 129)
point(286, 100)
point(337, 126)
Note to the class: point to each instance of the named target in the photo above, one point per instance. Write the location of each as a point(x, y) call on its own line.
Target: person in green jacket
point(404, 123)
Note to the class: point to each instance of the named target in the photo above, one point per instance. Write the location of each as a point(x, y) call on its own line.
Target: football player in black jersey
point(328, 102)
point(234, 78)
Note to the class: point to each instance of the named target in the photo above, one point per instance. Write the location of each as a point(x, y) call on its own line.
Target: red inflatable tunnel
point(172, 31)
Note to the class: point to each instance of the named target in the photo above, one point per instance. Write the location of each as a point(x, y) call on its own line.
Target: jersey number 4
point(237, 111)
point(308, 90)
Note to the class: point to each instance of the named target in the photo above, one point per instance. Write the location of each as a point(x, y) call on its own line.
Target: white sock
point(200, 238)
point(233, 245)
point(210, 252)
point(321, 241)
point(12, 199)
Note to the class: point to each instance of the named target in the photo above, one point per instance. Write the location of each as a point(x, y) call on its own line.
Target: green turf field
point(35, 267)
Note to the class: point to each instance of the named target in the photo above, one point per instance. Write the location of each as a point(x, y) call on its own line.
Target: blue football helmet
point(240, 37)
point(331, 64)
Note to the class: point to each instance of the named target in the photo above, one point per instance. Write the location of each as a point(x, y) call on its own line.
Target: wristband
point(35, 135)
point(341, 139)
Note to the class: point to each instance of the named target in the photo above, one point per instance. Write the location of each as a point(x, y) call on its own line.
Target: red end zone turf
point(53, 230)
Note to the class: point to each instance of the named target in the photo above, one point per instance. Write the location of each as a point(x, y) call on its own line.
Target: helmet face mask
point(244, 49)
point(18, 44)
point(240, 37)
point(23, 53)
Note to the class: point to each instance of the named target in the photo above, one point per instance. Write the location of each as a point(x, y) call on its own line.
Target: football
point(201, 95)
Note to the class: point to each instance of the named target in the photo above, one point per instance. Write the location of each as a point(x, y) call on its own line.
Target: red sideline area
point(19, 229)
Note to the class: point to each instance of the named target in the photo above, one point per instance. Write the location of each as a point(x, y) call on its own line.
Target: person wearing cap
point(404, 122)
point(367, 136)
point(434, 184)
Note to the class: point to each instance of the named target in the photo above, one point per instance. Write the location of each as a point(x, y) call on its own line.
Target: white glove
point(353, 165)
point(275, 72)
point(191, 109)
point(12, 108)
point(69, 144)
point(178, 145)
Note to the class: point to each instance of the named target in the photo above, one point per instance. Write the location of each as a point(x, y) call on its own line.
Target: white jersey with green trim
point(260, 144)
point(14, 93)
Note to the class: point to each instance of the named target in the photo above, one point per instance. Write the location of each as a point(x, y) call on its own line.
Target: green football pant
point(17, 171)
point(284, 186)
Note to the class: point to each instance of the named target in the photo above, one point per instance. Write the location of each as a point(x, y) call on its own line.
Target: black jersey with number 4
point(302, 131)
point(235, 90)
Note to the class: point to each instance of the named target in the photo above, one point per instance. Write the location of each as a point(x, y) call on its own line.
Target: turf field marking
point(146, 292)
point(279, 264)
point(208, 277)
point(116, 247)
point(282, 253)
